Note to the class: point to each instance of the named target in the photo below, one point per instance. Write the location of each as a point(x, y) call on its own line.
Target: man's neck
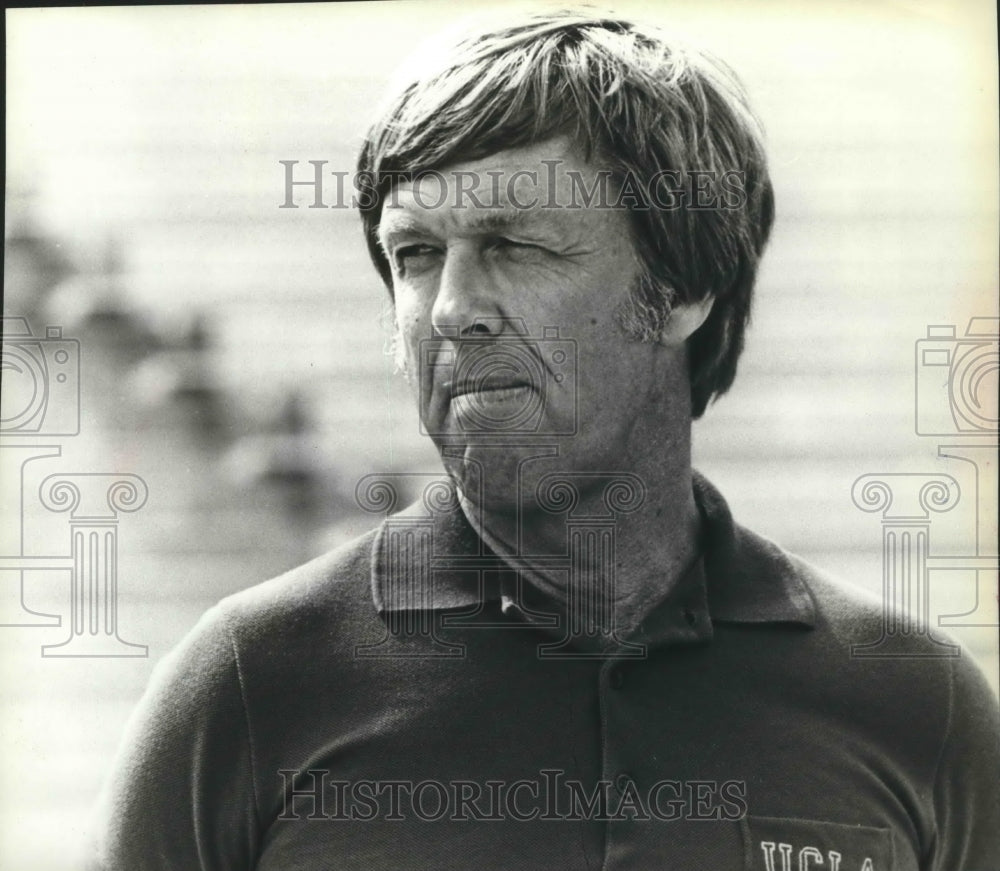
point(628, 534)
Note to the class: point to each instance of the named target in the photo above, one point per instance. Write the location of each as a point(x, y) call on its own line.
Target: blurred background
point(231, 354)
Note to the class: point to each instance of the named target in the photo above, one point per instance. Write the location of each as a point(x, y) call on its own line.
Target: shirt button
point(617, 678)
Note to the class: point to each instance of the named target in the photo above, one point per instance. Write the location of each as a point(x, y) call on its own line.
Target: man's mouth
point(489, 390)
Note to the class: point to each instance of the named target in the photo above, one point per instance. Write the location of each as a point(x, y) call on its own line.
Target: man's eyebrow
point(400, 225)
point(474, 221)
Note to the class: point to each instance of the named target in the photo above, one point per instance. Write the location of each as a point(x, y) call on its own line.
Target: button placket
point(617, 677)
point(615, 760)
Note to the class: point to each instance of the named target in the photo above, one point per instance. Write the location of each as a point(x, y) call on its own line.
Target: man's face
point(507, 312)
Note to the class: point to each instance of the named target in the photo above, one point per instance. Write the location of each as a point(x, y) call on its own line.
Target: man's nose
point(466, 303)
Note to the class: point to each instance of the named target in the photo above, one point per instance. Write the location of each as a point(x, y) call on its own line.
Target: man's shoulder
point(842, 605)
point(335, 586)
point(857, 625)
point(837, 603)
point(872, 656)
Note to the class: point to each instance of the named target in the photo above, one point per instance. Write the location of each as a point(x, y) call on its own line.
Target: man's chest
point(681, 760)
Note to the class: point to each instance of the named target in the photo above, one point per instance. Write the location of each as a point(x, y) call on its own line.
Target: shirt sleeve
point(180, 795)
point(967, 785)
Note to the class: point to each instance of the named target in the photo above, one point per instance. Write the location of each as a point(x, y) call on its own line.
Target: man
point(569, 656)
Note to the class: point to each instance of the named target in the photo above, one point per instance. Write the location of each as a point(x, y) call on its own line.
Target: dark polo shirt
point(401, 704)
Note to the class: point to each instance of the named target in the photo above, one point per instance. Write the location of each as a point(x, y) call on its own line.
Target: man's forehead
point(534, 155)
point(512, 189)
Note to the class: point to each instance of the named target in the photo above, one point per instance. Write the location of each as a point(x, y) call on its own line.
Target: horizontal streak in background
point(162, 128)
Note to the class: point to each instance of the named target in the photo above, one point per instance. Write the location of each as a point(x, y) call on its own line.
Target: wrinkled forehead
point(547, 183)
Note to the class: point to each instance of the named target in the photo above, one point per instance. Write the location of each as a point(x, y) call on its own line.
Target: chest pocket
point(786, 844)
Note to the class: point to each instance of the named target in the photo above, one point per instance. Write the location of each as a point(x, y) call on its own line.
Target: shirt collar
point(749, 578)
point(428, 557)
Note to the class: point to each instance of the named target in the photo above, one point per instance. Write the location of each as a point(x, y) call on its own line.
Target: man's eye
point(413, 256)
point(514, 247)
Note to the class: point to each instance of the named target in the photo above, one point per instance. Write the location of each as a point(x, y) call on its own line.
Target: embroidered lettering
point(809, 858)
point(786, 856)
point(809, 853)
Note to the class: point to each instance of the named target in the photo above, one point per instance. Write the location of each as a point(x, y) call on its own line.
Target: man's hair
point(635, 104)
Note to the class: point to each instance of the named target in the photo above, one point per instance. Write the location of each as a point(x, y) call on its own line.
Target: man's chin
point(487, 474)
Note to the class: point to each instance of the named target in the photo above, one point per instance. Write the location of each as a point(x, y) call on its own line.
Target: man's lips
point(488, 388)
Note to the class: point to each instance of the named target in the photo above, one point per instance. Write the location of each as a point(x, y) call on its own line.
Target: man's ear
point(684, 320)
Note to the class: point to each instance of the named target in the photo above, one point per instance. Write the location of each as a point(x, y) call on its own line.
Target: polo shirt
point(405, 703)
